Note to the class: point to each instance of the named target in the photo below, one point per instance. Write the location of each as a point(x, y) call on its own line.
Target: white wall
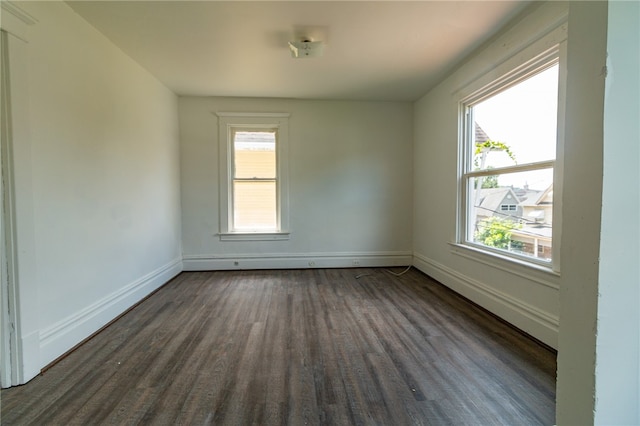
point(104, 181)
point(350, 185)
point(526, 297)
point(618, 337)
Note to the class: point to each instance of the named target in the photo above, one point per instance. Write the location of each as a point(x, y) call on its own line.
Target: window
point(253, 176)
point(254, 179)
point(508, 152)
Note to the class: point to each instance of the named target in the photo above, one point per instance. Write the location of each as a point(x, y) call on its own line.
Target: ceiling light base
point(306, 49)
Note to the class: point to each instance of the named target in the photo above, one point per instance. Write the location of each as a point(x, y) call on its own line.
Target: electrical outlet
point(356, 262)
point(236, 263)
point(312, 263)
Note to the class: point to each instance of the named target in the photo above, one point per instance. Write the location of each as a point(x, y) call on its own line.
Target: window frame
point(512, 72)
point(228, 123)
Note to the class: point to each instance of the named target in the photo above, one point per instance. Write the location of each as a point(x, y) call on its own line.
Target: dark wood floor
point(336, 346)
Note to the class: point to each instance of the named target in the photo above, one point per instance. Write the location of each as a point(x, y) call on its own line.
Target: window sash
point(511, 169)
point(240, 169)
point(247, 216)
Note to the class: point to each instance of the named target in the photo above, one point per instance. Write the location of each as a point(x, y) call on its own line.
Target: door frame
point(17, 261)
point(8, 343)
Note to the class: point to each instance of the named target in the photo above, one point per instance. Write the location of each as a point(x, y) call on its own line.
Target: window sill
point(537, 272)
point(254, 236)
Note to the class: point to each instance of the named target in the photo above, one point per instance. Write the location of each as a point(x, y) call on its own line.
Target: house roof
point(534, 231)
point(536, 198)
point(481, 135)
point(492, 198)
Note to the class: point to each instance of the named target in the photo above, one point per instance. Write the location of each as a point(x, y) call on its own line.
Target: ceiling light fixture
point(306, 48)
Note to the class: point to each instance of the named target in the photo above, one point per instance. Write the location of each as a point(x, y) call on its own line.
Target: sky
point(525, 118)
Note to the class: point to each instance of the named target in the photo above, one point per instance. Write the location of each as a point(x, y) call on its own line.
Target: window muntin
point(508, 166)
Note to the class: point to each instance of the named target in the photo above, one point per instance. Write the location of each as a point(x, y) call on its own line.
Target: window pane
point(523, 119)
point(254, 205)
point(254, 155)
point(513, 212)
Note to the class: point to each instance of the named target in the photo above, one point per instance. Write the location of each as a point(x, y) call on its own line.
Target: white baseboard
point(58, 338)
point(29, 366)
point(534, 321)
point(296, 261)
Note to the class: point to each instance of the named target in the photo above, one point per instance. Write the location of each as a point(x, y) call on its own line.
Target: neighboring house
point(538, 206)
point(499, 202)
point(481, 135)
point(535, 235)
point(532, 208)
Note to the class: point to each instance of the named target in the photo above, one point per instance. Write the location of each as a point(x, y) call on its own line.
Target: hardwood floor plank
point(318, 346)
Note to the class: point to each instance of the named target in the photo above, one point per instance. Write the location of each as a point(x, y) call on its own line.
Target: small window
point(508, 158)
point(253, 181)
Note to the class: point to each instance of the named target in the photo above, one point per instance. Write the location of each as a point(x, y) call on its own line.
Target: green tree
point(483, 148)
point(496, 232)
point(488, 181)
point(480, 158)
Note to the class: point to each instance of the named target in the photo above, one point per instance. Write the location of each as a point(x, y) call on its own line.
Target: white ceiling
point(375, 50)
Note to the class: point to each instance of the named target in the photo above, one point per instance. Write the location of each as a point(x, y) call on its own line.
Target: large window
point(253, 176)
point(508, 162)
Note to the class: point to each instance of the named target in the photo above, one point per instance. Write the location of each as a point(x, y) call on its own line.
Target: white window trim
point(227, 121)
point(514, 70)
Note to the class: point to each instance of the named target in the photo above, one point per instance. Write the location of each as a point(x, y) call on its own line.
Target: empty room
point(320, 212)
